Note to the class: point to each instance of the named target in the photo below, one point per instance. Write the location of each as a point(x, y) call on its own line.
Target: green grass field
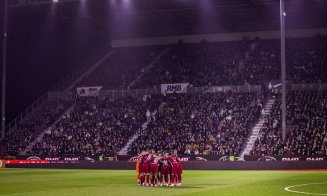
point(114, 182)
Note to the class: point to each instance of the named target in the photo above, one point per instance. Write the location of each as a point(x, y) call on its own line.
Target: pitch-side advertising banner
point(26, 159)
point(186, 158)
point(174, 88)
point(285, 158)
point(88, 91)
point(2, 163)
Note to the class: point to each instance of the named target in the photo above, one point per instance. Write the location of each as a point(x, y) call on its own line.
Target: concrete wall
point(221, 37)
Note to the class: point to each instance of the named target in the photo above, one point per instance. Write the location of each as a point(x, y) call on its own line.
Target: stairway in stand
point(124, 150)
point(257, 127)
point(40, 137)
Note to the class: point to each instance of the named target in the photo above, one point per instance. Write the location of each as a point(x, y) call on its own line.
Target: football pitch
point(123, 182)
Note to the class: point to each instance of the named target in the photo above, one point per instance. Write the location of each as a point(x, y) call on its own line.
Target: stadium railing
point(310, 86)
point(190, 90)
point(29, 110)
point(59, 86)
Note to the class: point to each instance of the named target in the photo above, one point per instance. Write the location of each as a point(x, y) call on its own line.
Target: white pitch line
point(307, 193)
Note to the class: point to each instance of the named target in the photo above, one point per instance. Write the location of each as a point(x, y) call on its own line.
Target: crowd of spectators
point(120, 69)
point(240, 63)
point(97, 125)
point(307, 127)
point(191, 123)
point(305, 60)
point(19, 138)
point(199, 64)
point(202, 124)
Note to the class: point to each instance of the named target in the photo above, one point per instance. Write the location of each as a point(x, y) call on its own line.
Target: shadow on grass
point(211, 184)
point(198, 186)
point(188, 187)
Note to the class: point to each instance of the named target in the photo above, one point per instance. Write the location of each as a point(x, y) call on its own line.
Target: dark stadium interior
point(222, 107)
point(41, 33)
point(163, 97)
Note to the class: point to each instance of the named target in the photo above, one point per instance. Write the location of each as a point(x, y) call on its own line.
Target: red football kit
point(142, 160)
point(147, 163)
point(176, 169)
point(154, 164)
point(164, 166)
point(164, 170)
point(175, 164)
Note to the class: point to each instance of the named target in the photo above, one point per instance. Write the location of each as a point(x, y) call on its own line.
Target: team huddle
point(153, 169)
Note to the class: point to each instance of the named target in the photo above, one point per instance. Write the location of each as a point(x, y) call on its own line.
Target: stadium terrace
point(167, 97)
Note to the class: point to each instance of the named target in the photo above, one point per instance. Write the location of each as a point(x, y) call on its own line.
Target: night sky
point(41, 50)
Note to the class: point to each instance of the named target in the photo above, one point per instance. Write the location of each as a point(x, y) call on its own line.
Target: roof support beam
point(23, 3)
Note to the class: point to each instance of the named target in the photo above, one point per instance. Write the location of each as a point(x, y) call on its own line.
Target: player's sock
point(147, 178)
point(155, 179)
point(172, 179)
point(160, 179)
point(142, 179)
point(179, 178)
point(166, 178)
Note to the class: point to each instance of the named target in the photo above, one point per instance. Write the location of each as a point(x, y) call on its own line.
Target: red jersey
point(155, 160)
point(173, 159)
point(143, 158)
point(149, 158)
point(176, 165)
point(164, 161)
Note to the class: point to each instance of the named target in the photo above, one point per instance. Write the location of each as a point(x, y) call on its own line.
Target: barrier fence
point(311, 86)
point(190, 90)
point(25, 159)
point(193, 163)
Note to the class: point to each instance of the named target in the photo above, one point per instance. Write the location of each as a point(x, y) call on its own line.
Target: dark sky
point(1, 43)
point(41, 50)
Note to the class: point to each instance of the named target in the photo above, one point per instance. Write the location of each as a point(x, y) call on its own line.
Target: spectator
point(188, 123)
point(306, 121)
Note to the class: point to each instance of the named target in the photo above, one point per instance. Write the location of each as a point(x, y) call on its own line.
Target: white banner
point(88, 91)
point(174, 88)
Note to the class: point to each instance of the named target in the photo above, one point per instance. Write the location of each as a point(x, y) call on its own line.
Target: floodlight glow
point(55, 1)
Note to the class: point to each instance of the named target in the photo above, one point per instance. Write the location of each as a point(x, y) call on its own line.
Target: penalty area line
point(301, 192)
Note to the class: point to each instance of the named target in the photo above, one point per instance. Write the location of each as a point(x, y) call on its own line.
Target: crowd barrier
point(192, 162)
point(192, 165)
point(183, 158)
point(286, 158)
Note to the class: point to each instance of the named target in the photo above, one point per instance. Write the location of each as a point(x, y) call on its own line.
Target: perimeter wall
point(208, 165)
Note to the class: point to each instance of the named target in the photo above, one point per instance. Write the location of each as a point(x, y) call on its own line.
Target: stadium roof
point(143, 18)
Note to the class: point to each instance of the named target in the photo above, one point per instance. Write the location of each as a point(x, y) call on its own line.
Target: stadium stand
point(306, 120)
point(200, 64)
point(219, 123)
point(241, 62)
point(118, 71)
point(16, 140)
point(202, 124)
point(96, 125)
